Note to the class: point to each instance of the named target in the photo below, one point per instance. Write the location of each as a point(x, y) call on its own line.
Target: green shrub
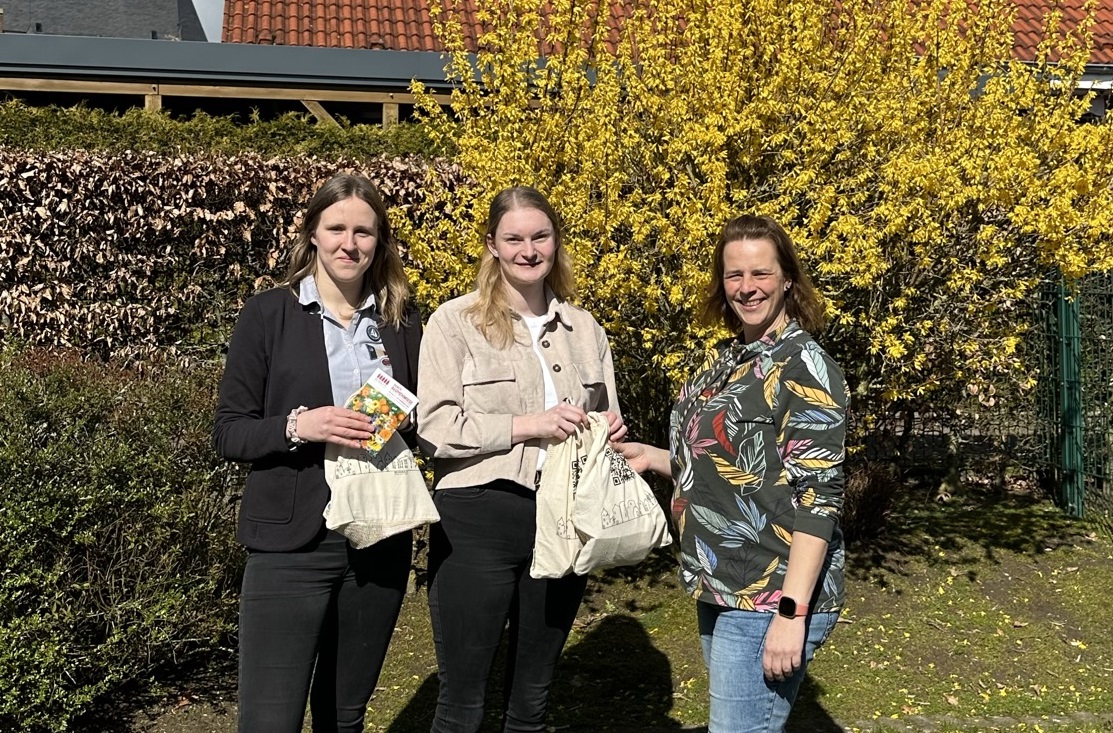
point(68, 128)
point(116, 530)
point(871, 488)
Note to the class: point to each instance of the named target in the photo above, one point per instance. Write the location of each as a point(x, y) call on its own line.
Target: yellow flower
point(926, 208)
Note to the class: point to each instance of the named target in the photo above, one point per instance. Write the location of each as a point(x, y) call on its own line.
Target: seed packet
point(387, 403)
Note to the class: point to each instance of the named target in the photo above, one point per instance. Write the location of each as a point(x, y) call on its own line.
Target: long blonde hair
point(491, 312)
point(386, 277)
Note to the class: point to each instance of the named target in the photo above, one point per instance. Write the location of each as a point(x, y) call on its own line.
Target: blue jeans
point(742, 700)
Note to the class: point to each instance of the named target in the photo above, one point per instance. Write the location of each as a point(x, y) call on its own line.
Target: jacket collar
point(559, 309)
point(769, 341)
point(308, 295)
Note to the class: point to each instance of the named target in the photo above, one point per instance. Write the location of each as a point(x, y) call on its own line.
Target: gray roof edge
point(129, 59)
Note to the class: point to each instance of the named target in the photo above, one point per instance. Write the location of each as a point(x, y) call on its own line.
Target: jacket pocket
point(755, 445)
point(268, 495)
point(589, 375)
point(490, 386)
point(745, 427)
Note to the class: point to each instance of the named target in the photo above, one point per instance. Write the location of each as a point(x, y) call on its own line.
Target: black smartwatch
point(789, 608)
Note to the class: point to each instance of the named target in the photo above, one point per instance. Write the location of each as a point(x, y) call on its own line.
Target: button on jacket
point(470, 391)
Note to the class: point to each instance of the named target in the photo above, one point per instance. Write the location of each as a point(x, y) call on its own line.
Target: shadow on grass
point(417, 716)
point(973, 529)
point(208, 677)
point(656, 573)
point(616, 680)
point(613, 679)
point(808, 715)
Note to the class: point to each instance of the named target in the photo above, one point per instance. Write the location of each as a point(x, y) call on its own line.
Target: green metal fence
point(1061, 431)
point(1075, 395)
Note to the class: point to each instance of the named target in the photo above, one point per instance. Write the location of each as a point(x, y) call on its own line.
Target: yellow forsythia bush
point(929, 180)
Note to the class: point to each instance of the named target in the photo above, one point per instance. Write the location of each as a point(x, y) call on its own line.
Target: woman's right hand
point(556, 423)
point(337, 425)
point(642, 457)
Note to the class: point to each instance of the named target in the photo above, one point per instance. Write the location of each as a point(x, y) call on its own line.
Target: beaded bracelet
point(292, 427)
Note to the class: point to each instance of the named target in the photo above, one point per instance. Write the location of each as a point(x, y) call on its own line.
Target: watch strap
point(791, 609)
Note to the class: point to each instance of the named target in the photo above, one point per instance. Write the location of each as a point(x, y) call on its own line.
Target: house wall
point(111, 18)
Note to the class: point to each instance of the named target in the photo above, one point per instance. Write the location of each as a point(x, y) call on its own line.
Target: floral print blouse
point(757, 444)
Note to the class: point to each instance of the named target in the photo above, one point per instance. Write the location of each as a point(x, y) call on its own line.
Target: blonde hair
point(491, 312)
point(802, 302)
point(386, 277)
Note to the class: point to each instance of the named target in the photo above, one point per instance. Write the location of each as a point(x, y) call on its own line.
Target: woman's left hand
point(784, 648)
point(617, 428)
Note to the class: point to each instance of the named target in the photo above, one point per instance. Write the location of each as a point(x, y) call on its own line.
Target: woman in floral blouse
point(757, 437)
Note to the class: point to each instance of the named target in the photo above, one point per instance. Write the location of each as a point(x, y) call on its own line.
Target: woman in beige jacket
point(504, 371)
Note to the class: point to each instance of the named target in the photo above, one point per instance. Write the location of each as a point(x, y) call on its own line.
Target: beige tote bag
point(616, 514)
point(376, 495)
point(556, 544)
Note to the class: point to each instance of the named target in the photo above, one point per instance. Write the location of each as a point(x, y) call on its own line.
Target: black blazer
point(277, 362)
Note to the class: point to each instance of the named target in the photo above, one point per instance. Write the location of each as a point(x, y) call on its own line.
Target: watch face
point(787, 607)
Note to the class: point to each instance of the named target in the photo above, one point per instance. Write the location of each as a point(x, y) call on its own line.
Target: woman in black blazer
point(312, 607)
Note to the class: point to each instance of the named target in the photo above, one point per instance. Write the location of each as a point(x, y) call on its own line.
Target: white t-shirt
point(536, 326)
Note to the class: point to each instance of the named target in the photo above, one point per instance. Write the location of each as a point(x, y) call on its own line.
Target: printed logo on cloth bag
point(383, 460)
point(577, 470)
point(565, 529)
point(620, 470)
point(627, 511)
point(630, 509)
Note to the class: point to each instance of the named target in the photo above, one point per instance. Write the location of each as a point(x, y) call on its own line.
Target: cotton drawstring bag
point(376, 495)
point(556, 543)
point(616, 516)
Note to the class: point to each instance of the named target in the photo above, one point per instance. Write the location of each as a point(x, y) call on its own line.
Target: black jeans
point(325, 612)
point(479, 557)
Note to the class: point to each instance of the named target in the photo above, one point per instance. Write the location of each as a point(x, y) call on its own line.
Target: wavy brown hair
point(491, 312)
point(802, 302)
point(386, 277)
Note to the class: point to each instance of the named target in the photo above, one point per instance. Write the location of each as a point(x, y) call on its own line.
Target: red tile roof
point(1029, 25)
point(405, 25)
point(396, 25)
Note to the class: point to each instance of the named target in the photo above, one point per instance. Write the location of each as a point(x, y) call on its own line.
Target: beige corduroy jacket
point(470, 391)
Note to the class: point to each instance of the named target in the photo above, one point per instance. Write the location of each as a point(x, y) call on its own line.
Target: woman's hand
point(556, 423)
point(642, 457)
point(617, 429)
point(784, 648)
point(337, 425)
point(635, 454)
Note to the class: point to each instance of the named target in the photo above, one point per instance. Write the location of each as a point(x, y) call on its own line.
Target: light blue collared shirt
point(353, 352)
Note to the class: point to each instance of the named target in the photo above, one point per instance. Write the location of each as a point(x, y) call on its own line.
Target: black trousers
point(479, 558)
point(325, 613)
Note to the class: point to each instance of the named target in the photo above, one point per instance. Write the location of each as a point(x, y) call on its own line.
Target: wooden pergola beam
point(320, 112)
point(76, 85)
point(153, 93)
point(318, 95)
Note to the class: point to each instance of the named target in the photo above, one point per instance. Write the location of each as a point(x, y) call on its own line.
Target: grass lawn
point(994, 612)
point(990, 613)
